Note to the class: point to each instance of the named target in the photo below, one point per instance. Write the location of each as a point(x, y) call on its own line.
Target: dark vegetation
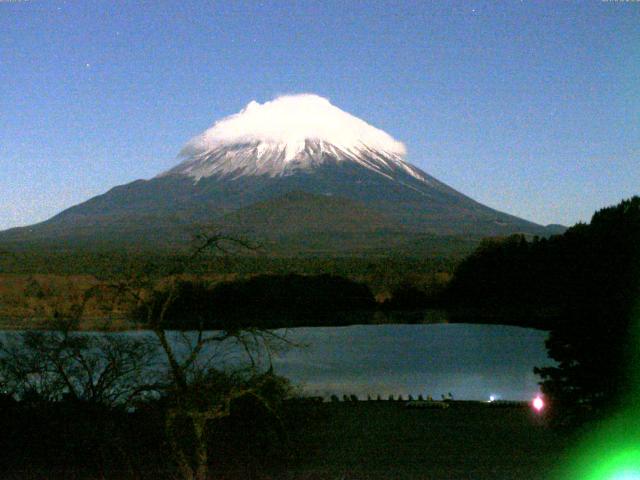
point(78, 405)
point(70, 438)
point(350, 440)
point(105, 265)
point(407, 296)
point(582, 286)
point(265, 301)
point(302, 291)
point(180, 383)
point(370, 439)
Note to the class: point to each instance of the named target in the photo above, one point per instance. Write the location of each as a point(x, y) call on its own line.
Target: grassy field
point(385, 440)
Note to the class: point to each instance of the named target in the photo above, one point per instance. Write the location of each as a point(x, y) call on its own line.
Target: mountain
point(295, 172)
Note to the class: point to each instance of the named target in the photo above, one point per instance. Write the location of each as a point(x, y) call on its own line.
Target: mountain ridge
point(274, 170)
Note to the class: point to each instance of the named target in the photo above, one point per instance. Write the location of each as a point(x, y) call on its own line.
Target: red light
point(538, 404)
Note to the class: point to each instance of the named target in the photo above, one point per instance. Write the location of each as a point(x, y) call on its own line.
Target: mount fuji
point(296, 173)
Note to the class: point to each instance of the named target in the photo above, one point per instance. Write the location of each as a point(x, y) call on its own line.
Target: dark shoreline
point(378, 316)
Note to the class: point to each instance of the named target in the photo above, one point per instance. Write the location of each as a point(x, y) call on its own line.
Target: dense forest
point(582, 285)
point(266, 301)
point(586, 264)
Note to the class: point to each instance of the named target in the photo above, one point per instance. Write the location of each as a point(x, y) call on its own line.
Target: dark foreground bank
point(342, 440)
point(383, 440)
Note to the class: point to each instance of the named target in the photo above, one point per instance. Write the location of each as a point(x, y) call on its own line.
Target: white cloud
point(290, 120)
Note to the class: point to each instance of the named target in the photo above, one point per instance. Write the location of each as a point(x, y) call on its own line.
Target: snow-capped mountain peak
point(289, 134)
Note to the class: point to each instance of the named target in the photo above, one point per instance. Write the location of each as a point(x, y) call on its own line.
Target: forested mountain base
point(35, 287)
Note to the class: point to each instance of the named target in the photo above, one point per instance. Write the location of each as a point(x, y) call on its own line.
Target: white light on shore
point(538, 404)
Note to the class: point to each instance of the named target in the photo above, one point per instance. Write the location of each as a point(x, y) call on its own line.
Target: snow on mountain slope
point(295, 170)
point(287, 135)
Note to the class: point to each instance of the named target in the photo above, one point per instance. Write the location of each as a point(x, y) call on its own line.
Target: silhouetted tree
point(59, 382)
point(580, 285)
point(194, 390)
point(108, 370)
point(591, 339)
point(199, 391)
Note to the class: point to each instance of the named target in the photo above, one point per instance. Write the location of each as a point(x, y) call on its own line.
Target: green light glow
point(627, 475)
point(624, 466)
point(612, 451)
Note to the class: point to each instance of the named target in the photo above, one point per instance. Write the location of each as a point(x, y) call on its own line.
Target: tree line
point(583, 287)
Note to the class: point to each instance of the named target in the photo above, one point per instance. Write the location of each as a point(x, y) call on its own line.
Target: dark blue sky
point(532, 108)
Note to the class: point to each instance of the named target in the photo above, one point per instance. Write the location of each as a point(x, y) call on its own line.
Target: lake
point(472, 362)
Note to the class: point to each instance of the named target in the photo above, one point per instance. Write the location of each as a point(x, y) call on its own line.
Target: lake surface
point(471, 362)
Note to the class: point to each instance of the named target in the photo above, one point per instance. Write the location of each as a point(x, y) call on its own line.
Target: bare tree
point(199, 388)
point(189, 370)
point(60, 363)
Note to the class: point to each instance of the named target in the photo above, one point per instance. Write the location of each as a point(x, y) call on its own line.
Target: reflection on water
point(470, 361)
